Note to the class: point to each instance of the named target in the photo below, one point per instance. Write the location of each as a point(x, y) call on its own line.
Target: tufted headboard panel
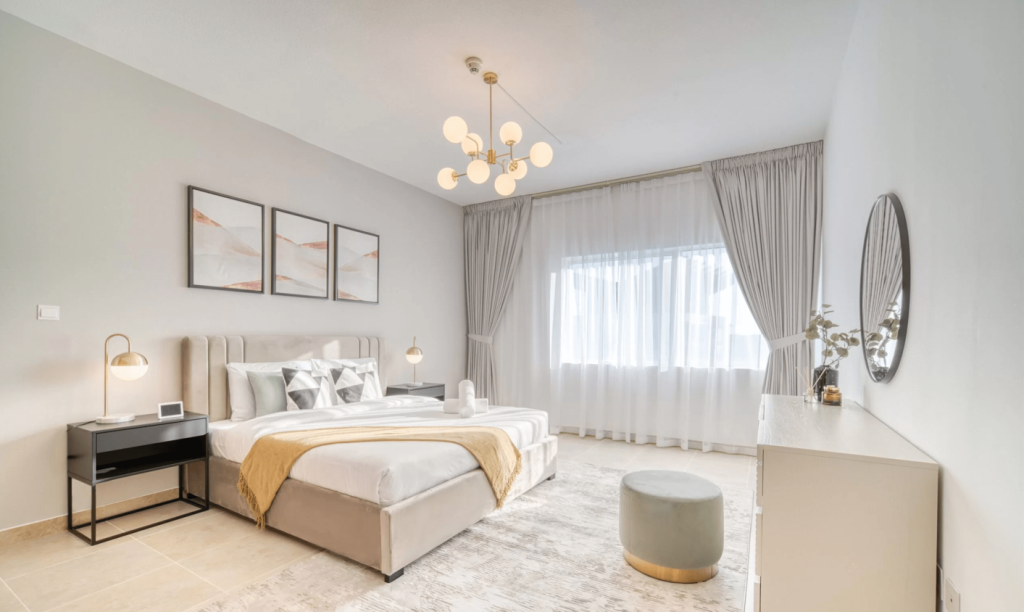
point(204, 359)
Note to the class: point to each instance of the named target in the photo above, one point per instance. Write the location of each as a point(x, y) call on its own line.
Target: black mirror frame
point(901, 220)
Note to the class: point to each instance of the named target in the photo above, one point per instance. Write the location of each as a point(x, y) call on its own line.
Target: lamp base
point(418, 384)
point(124, 417)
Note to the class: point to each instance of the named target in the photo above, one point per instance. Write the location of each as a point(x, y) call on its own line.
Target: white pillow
point(240, 395)
point(363, 364)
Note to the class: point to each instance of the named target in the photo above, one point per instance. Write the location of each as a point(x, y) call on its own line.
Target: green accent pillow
point(268, 387)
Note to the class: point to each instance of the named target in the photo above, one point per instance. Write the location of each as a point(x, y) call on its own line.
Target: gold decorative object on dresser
point(846, 516)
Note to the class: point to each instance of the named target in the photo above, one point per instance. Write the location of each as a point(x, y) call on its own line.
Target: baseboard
point(57, 524)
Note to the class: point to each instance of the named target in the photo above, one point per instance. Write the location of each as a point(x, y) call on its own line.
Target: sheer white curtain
point(626, 321)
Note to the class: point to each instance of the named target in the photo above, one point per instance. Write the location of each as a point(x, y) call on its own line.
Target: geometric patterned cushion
point(306, 390)
point(356, 383)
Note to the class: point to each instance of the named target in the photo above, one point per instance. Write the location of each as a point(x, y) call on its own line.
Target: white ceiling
point(629, 87)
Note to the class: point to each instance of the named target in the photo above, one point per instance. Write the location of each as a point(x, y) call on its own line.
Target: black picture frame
point(192, 189)
point(901, 221)
point(274, 254)
point(337, 242)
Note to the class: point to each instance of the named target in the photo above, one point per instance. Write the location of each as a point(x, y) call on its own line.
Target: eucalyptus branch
point(837, 344)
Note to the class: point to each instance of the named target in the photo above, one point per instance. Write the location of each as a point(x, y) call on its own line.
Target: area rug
point(555, 548)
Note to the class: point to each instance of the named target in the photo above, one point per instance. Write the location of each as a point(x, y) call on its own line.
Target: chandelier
point(510, 134)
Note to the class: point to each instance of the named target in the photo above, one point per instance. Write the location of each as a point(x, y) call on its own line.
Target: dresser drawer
point(144, 436)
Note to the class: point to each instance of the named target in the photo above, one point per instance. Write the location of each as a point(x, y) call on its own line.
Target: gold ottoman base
point(669, 574)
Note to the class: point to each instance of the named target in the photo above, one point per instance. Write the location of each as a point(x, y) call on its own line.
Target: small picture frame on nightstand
point(170, 410)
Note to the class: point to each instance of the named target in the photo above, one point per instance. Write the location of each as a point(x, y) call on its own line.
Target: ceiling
point(628, 87)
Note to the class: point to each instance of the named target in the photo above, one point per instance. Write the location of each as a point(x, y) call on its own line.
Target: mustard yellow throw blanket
point(271, 458)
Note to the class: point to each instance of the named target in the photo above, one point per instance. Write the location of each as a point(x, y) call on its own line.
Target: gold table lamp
point(414, 356)
point(126, 366)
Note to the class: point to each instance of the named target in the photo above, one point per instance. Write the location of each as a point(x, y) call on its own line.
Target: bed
point(382, 504)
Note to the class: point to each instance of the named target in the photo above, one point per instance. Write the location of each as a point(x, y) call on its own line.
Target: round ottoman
point(672, 525)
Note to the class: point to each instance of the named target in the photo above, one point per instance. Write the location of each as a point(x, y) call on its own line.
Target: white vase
point(467, 394)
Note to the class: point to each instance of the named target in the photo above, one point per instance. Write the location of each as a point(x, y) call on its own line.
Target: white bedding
point(380, 472)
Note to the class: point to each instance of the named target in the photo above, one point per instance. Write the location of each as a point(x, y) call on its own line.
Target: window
point(667, 309)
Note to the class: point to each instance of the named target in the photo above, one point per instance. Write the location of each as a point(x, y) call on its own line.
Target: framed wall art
point(356, 265)
point(301, 255)
point(225, 242)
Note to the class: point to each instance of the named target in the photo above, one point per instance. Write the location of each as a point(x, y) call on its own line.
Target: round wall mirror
point(885, 288)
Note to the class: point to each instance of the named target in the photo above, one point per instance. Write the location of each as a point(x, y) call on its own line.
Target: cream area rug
point(555, 548)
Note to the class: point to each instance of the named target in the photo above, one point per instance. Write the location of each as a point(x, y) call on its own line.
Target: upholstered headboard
point(204, 359)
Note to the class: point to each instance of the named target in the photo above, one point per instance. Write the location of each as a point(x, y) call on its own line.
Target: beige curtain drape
point(883, 264)
point(769, 207)
point(494, 234)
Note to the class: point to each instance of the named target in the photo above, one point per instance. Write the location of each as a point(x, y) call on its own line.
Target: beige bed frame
point(384, 538)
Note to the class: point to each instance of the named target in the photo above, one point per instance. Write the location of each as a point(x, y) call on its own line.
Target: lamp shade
point(414, 355)
point(472, 144)
point(504, 184)
point(455, 129)
point(510, 133)
point(446, 178)
point(541, 154)
point(520, 169)
point(478, 171)
point(129, 366)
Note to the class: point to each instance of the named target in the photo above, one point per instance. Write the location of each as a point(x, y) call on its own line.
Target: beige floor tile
point(609, 453)
point(71, 580)
point(31, 555)
point(240, 561)
point(8, 601)
point(200, 535)
point(160, 513)
point(654, 458)
point(168, 589)
point(722, 469)
point(570, 445)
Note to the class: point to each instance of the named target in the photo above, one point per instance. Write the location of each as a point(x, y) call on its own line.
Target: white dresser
point(846, 513)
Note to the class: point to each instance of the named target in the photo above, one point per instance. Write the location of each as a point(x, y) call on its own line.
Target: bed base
point(388, 538)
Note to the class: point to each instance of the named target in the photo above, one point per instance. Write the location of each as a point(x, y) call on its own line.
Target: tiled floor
point(181, 565)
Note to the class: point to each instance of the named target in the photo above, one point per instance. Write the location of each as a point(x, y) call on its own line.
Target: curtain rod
point(628, 179)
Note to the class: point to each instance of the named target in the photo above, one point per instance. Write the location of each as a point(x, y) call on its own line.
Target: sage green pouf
point(672, 525)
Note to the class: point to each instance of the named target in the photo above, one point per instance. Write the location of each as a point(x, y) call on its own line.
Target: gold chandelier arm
point(490, 112)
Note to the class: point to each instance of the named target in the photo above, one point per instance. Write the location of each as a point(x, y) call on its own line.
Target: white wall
point(95, 158)
point(931, 106)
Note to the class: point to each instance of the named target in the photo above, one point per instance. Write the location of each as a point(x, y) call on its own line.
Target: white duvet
point(380, 472)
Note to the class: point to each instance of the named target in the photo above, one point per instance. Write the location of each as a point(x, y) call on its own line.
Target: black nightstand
point(101, 453)
point(434, 390)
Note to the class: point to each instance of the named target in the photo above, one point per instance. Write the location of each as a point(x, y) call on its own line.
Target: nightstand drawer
point(153, 434)
point(427, 391)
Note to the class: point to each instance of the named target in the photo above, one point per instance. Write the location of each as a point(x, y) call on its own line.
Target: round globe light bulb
point(478, 171)
point(414, 355)
point(510, 133)
point(505, 184)
point(541, 154)
point(519, 171)
point(129, 366)
point(446, 178)
point(455, 129)
point(472, 144)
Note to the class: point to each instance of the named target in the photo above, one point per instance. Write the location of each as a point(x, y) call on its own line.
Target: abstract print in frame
point(300, 257)
point(356, 265)
point(225, 242)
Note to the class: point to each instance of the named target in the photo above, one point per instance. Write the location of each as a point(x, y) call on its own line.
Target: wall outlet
point(951, 597)
point(48, 313)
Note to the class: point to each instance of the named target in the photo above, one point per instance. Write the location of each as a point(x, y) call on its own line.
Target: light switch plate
point(951, 597)
point(48, 313)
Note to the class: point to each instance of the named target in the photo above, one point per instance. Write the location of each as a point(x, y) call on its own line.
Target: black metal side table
point(102, 453)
